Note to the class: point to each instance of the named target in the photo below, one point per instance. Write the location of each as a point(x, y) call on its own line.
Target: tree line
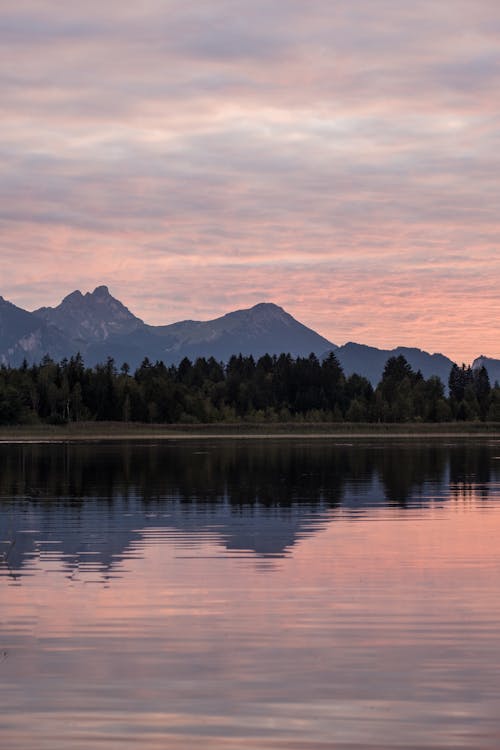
point(271, 388)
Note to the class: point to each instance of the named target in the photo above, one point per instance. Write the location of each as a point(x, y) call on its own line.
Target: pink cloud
point(342, 162)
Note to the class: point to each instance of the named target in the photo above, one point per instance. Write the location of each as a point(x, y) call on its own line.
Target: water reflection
point(91, 505)
point(250, 596)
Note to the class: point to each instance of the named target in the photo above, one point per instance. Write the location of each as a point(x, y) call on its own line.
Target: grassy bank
point(135, 431)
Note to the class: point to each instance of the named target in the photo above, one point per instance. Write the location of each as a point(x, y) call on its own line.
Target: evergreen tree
point(482, 390)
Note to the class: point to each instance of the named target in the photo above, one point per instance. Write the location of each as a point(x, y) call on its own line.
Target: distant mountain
point(24, 336)
point(492, 365)
point(369, 361)
point(262, 329)
point(99, 326)
point(89, 318)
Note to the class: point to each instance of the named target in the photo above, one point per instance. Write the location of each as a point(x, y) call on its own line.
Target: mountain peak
point(91, 317)
point(75, 296)
point(100, 292)
point(267, 310)
point(261, 314)
point(267, 306)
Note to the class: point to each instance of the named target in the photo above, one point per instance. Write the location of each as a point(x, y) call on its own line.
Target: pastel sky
point(338, 157)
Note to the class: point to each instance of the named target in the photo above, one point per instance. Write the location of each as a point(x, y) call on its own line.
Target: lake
point(250, 594)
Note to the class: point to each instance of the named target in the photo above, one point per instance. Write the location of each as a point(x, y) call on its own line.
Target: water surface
point(276, 595)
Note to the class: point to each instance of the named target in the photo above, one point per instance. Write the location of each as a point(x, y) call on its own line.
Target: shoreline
point(120, 432)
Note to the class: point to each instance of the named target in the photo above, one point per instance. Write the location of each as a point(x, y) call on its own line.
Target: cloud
point(203, 154)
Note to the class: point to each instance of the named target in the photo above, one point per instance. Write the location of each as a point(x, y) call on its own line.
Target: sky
point(340, 158)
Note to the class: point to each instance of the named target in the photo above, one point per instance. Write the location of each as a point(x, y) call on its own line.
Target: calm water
point(235, 596)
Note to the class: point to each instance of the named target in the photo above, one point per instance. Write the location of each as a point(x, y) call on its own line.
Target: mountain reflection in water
point(91, 505)
point(250, 595)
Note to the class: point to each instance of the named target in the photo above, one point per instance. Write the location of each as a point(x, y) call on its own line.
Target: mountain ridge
point(370, 361)
point(22, 334)
point(99, 326)
point(96, 314)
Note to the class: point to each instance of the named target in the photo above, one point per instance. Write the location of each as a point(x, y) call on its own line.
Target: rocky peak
point(71, 299)
point(261, 312)
point(100, 292)
point(93, 316)
point(268, 309)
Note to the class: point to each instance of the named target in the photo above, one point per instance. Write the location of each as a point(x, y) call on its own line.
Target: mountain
point(492, 365)
point(99, 326)
point(24, 336)
point(91, 317)
point(369, 361)
point(263, 329)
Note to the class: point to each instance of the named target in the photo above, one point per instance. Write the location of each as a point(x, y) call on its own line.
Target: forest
point(269, 389)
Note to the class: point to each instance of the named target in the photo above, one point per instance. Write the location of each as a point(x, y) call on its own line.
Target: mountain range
point(99, 326)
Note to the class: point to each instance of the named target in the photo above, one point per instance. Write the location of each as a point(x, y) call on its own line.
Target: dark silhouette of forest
point(270, 389)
